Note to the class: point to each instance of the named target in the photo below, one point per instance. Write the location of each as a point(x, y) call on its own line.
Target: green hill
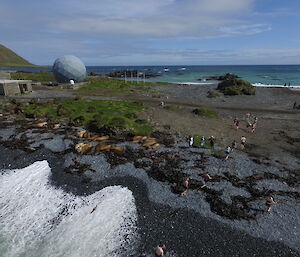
point(9, 58)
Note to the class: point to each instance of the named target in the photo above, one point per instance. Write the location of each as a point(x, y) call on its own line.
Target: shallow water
point(40, 220)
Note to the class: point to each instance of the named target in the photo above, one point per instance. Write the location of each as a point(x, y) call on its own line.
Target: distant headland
point(9, 58)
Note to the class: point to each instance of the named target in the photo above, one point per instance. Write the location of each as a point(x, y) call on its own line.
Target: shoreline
point(156, 222)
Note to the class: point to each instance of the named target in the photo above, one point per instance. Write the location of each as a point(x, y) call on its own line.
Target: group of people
point(230, 149)
point(251, 124)
point(211, 141)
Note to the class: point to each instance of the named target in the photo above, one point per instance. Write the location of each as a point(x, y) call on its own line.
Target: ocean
point(276, 75)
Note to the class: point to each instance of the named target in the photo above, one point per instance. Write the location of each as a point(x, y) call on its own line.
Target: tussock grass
point(201, 111)
point(121, 114)
point(41, 76)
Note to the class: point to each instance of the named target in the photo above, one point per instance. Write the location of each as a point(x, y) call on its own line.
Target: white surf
point(37, 219)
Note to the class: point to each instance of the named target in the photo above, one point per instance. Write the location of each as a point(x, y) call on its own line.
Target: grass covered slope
point(9, 58)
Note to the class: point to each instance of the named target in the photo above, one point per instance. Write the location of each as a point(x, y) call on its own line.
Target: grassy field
point(96, 113)
point(40, 76)
point(117, 85)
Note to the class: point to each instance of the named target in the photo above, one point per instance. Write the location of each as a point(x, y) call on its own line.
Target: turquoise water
point(265, 74)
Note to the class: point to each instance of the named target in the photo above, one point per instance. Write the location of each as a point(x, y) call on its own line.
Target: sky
point(153, 32)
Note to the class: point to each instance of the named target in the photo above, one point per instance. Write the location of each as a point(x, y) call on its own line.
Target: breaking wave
point(37, 219)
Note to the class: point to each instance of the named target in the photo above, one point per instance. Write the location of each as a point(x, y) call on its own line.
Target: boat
point(183, 68)
point(166, 69)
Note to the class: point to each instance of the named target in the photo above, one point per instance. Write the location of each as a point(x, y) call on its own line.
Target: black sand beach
point(185, 232)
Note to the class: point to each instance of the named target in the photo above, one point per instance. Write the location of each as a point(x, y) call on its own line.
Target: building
point(15, 87)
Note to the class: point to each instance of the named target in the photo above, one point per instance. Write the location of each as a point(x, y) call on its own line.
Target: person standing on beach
point(294, 106)
point(191, 141)
point(227, 152)
point(202, 142)
point(212, 142)
point(243, 142)
point(233, 146)
point(185, 184)
point(236, 123)
point(206, 177)
point(269, 202)
point(248, 115)
point(253, 127)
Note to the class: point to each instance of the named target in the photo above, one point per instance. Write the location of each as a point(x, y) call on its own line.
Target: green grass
point(172, 107)
point(9, 58)
point(95, 112)
point(236, 86)
point(201, 111)
point(213, 94)
point(117, 85)
point(41, 76)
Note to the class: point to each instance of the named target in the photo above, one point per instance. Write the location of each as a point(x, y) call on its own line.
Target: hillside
point(8, 58)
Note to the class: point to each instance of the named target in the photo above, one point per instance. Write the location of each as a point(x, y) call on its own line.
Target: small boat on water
point(183, 68)
point(166, 69)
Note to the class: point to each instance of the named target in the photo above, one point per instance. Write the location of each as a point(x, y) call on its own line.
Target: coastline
point(268, 165)
point(185, 232)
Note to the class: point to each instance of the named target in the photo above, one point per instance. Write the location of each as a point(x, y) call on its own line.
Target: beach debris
point(99, 138)
point(82, 148)
point(150, 142)
point(117, 149)
point(56, 126)
point(80, 133)
point(41, 124)
point(137, 139)
point(102, 147)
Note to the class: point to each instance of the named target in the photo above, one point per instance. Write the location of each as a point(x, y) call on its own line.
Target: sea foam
point(37, 219)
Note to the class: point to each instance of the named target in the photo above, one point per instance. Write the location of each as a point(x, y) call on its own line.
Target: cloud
point(245, 29)
point(165, 18)
point(134, 31)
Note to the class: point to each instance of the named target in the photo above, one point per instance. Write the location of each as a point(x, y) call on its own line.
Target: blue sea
point(277, 75)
